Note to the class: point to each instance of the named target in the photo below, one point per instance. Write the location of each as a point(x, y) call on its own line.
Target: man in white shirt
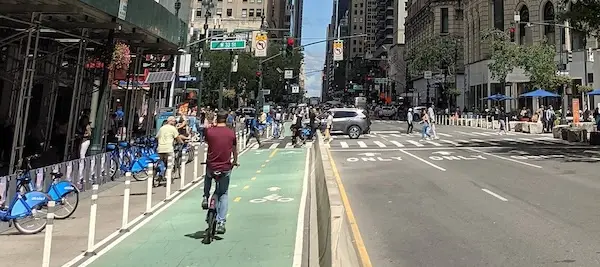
point(166, 135)
point(432, 122)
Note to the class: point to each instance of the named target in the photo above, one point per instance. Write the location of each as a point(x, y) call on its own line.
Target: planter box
point(536, 128)
point(595, 138)
point(525, 127)
point(557, 131)
point(518, 126)
point(577, 135)
point(564, 133)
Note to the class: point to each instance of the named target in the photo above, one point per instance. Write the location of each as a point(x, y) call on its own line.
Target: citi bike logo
point(38, 198)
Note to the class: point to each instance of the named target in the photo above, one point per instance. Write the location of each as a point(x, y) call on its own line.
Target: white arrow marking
point(290, 152)
point(369, 154)
point(273, 189)
point(444, 153)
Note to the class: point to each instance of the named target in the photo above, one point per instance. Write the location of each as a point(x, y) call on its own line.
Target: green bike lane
point(264, 199)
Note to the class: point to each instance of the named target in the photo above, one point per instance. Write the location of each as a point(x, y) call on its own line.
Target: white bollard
point(48, 234)
point(126, 192)
point(169, 177)
point(92, 226)
point(182, 172)
point(196, 162)
point(204, 166)
point(149, 185)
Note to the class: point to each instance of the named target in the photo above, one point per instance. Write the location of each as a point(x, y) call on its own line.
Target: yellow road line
point(360, 244)
point(274, 152)
point(237, 199)
point(246, 187)
point(253, 178)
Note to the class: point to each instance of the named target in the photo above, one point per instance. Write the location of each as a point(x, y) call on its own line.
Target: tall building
point(397, 55)
point(358, 25)
point(333, 73)
point(298, 11)
point(384, 28)
point(426, 19)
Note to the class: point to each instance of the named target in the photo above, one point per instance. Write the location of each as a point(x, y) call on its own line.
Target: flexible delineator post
point(48, 234)
point(92, 226)
point(149, 182)
point(126, 192)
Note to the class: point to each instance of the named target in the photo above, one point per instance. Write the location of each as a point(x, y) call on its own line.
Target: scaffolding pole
point(73, 115)
point(14, 93)
point(52, 104)
point(24, 100)
point(134, 93)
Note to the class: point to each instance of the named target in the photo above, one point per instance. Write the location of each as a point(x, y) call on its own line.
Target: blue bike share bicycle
point(134, 157)
point(64, 193)
point(27, 211)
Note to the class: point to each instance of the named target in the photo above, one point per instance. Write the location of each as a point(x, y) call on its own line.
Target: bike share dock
point(263, 228)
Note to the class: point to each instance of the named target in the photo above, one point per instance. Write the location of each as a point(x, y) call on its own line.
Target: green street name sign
point(227, 44)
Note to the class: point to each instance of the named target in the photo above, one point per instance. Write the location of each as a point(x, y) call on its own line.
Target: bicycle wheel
point(34, 222)
point(112, 168)
point(67, 207)
point(141, 175)
point(211, 220)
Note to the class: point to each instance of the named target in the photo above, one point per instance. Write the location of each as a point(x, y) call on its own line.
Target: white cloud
point(313, 82)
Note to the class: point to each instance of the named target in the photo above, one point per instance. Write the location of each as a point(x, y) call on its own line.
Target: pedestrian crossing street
point(396, 134)
point(376, 143)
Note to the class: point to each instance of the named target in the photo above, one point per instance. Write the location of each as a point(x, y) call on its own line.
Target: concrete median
point(329, 224)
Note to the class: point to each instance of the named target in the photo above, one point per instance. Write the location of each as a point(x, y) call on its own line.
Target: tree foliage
point(244, 81)
point(505, 54)
point(583, 15)
point(436, 54)
point(538, 62)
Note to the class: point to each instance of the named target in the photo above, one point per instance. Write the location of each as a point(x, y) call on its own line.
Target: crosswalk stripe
point(444, 134)
point(482, 134)
point(380, 144)
point(450, 142)
point(288, 145)
point(462, 141)
point(396, 143)
point(344, 145)
point(415, 143)
point(396, 135)
point(523, 140)
point(361, 144)
point(465, 133)
point(433, 143)
point(274, 145)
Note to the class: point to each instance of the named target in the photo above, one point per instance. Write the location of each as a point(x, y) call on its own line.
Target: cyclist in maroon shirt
point(222, 145)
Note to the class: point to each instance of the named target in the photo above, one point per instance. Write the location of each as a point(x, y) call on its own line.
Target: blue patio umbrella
point(497, 97)
point(539, 93)
point(594, 92)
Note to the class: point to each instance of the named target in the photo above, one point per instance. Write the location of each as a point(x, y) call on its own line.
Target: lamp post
point(207, 5)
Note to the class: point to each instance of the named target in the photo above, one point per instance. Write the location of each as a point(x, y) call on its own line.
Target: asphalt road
point(500, 203)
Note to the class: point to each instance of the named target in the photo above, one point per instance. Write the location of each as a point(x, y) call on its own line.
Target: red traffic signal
point(512, 30)
point(290, 41)
point(258, 74)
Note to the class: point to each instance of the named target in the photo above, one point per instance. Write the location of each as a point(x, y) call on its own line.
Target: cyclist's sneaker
point(205, 203)
point(221, 228)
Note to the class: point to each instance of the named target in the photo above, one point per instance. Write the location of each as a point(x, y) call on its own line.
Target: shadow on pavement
point(200, 235)
point(559, 154)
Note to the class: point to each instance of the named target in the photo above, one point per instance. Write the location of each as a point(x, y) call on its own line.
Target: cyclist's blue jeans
point(222, 193)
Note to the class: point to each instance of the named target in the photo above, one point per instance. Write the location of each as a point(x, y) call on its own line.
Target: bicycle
point(213, 204)
point(25, 206)
point(58, 190)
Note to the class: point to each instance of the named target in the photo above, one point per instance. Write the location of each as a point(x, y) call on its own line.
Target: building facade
point(426, 19)
point(483, 15)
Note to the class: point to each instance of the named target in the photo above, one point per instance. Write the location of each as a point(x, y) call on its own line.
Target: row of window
point(245, 12)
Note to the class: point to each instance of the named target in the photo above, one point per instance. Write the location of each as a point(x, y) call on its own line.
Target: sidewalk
point(264, 200)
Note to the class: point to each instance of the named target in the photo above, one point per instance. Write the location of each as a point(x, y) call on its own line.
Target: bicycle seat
point(56, 174)
point(123, 144)
point(111, 146)
point(217, 174)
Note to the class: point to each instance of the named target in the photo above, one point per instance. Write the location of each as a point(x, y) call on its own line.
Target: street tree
point(537, 61)
point(505, 55)
point(439, 54)
point(583, 15)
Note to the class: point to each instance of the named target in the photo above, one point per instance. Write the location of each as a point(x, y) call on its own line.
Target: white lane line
point(344, 145)
point(255, 146)
point(463, 141)
point(385, 132)
point(482, 134)
point(415, 143)
point(380, 144)
point(369, 135)
point(288, 145)
point(450, 142)
point(297, 260)
point(423, 160)
point(444, 134)
point(396, 143)
point(494, 194)
point(465, 133)
point(396, 135)
point(274, 145)
point(523, 141)
point(433, 143)
point(505, 158)
point(485, 142)
point(361, 144)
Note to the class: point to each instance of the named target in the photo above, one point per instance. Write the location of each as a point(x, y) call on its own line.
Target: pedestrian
point(502, 121)
point(409, 121)
point(425, 128)
point(328, 126)
point(432, 122)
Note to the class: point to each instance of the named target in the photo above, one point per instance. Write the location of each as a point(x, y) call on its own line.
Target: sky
point(316, 17)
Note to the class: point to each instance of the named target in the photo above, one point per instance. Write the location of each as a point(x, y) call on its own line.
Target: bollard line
point(182, 173)
point(126, 192)
point(92, 226)
point(149, 185)
point(169, 177)
point(48, 234)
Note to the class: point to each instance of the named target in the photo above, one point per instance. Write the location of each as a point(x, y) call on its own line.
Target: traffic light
point(258, 75)
point(512, 34)
point(569, 56)
point(289, 48)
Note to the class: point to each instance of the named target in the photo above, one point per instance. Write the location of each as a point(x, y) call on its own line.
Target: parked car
point(388, 112)
point(417, 112)
point(350, 121)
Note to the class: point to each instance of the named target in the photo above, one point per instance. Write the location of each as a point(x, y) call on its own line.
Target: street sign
point(187, 79)
point(295, 89)
point(288, 74)
point(381, 80)
point(227, 44)
point(427, 74)
point(338, 50)
point(202, 64)
point(266, 92)
point(156, 65)
point(260, 45)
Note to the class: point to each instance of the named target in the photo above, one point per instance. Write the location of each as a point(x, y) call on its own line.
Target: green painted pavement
point(264, 198)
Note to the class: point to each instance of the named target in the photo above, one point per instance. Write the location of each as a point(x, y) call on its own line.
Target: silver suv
point(350, 121)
